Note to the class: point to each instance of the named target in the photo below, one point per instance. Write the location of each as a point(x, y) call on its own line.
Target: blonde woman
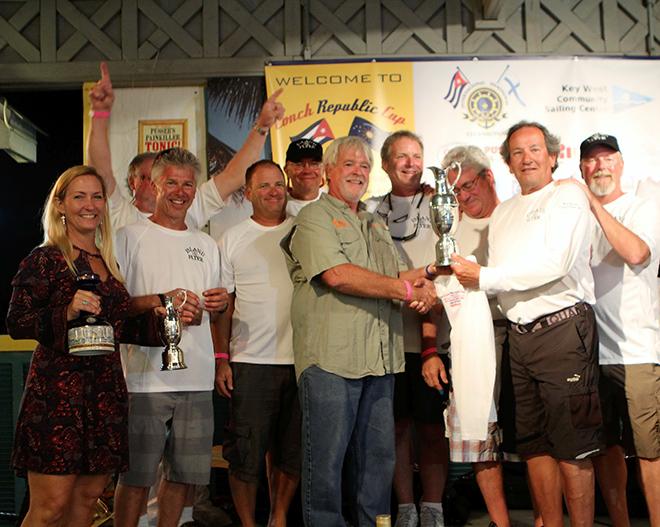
point(71, 434)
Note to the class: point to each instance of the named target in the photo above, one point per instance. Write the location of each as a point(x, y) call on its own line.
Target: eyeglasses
point(468, 186)
point(400, 219)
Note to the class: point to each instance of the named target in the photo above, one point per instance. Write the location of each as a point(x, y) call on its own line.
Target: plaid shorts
point(472, 451)
point(176, 427)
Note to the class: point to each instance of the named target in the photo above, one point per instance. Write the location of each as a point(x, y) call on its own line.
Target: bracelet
point(429, 274)
point(221, 355)
point(409, 290)
point(429, 351)
point(99, 114)
point(261, 130)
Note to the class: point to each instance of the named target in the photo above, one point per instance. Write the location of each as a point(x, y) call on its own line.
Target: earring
point(63, 218)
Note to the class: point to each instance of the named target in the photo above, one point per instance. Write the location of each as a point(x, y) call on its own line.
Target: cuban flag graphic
point(319, 131)
point(456, 86)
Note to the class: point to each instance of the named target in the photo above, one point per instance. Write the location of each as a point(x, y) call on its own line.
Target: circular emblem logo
point(485, 105)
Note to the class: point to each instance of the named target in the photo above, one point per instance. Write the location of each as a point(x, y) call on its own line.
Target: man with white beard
point(624, 264)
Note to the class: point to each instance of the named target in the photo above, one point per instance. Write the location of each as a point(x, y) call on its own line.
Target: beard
point(602, 183)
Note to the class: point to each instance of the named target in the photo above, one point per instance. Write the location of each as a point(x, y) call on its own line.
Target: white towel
point(473, 360)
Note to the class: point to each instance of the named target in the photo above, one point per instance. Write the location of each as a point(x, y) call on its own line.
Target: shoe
point(407, 517)
point(430, 517)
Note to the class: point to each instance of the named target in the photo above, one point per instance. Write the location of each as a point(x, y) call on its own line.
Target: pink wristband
point(409, 290)
point(99, 114)
point(221, 355)
point(429, 351)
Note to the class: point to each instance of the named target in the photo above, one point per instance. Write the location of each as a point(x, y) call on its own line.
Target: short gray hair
point(552, 142)
point(392, 138)
point(469, 156)
point(178, 157)
point(349, 141)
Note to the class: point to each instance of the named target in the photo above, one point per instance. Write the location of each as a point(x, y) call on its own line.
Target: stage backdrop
point(453, 102)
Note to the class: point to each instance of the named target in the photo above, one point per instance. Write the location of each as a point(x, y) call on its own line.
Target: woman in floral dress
point(71, 434)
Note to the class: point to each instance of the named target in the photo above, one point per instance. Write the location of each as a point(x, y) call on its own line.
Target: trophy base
point(444, 248)
point(173, 360)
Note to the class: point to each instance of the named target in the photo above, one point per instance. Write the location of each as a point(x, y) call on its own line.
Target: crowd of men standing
point(319, 317)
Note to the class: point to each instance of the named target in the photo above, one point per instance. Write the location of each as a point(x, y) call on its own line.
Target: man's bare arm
point(221, 333)
point(354, 280)
point(101, 99)
point(233, 176)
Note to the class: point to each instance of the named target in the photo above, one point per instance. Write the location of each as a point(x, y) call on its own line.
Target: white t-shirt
point(538, 253)
point(207, 203)
point(154, 259)
point(406, 213)
point(254, 268)
point(627, 308)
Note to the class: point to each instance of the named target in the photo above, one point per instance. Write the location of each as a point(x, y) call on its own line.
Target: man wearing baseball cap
point(624, 264)
point(304, 171)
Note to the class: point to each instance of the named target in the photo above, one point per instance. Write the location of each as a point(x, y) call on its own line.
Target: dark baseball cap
point(598, 139)
point(304, 149)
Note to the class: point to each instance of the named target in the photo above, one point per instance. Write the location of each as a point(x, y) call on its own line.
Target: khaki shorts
point(630, 396)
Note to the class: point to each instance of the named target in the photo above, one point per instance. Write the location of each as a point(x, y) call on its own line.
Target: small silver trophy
point(172, 354)
point(444, 213)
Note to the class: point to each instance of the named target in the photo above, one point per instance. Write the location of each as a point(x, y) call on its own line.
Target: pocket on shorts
point(585, 410)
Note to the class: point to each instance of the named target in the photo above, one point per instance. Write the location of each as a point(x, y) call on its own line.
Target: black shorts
point(554, 369)
point(413, 398)
point(265, 417)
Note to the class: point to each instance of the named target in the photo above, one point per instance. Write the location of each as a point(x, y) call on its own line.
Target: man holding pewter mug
point(71, 434)
point(171, 413)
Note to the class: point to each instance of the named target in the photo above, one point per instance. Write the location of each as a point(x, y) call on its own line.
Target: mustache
point(602, 173)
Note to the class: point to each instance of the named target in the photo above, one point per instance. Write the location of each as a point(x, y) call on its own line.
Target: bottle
point(90, 334)
point(383, 520)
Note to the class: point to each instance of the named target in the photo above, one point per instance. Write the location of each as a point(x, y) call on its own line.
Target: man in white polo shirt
point(624, 262)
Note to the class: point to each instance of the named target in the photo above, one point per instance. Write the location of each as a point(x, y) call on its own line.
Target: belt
point(550, 320)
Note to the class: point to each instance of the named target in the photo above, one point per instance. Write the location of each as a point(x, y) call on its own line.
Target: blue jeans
point(350, 418)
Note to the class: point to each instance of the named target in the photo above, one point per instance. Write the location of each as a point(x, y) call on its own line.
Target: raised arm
point(101, 99)
point(625, 242)
point(233, 176)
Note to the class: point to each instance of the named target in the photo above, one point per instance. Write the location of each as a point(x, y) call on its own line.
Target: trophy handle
point(454, 165)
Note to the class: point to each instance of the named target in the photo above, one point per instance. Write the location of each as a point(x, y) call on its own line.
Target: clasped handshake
point(421, 295)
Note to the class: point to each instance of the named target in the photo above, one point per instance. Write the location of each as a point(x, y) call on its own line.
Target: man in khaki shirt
point(348, 287)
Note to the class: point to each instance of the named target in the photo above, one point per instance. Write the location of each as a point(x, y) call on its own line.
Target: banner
point(455, 102)
point(325, 101)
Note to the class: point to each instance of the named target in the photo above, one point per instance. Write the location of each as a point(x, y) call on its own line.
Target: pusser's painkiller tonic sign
point(154, 136)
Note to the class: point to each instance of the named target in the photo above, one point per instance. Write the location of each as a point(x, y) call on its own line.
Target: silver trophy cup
point(172, 354)
point(444, 213)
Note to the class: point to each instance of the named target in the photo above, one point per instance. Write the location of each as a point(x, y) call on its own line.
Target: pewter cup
point(172, 354)
point(444, 213)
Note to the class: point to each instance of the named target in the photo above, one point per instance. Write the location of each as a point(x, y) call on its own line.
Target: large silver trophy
point(444, 213)
point(172, 354)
